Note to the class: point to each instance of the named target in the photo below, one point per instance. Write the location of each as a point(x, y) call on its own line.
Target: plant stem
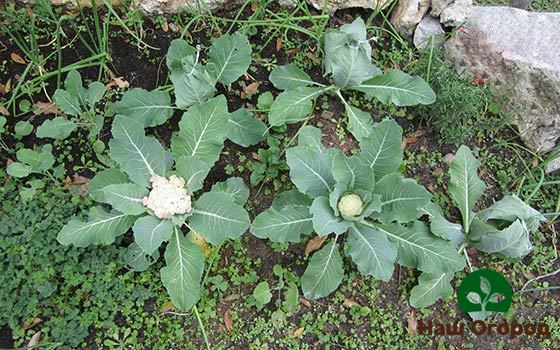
point(201, 325)
point(468, 259)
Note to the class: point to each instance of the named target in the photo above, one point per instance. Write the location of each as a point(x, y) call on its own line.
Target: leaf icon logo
point(484, 291)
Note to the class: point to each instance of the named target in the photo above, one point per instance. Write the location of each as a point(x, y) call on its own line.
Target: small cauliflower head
point(168, 197)
point(350, 205)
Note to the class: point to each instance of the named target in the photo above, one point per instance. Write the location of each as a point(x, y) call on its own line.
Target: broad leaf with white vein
point(138, 155)
point(182, 274)
point(203, 130)
point(324, 272)
point(149, 108)
point(464, 185)
point(216, 217)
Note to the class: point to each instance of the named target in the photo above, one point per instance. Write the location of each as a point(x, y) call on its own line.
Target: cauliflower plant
point(168, 197)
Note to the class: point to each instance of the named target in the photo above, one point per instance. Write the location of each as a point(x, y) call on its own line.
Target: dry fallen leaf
point(227, 321)
point(34, 339)
point(77, 181)
point(305, 302)
point(17, 58)
point(314, 244)
point(30, 324)
point(278, 44)
point(4, 110)
point(412, 324)
point(166, 307)
point(350, 303)
point(231, 297)
point(298, 332)
point(408, 140)
point(118, 82)
point(165, 26)
point(292, 52)
point(254, 7)
point(8, 86)
point(250, 90)
point(47, 108)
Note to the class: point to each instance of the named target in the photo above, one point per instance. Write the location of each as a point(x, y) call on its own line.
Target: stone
point(428, 28)
point(334, 5)
point(553, 166)
point(173, 6)
point(518, 54)
point(438, 6)
point(456, 13)
point(407, 14)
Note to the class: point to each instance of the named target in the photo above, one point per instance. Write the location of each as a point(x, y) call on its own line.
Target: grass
point(85, 298)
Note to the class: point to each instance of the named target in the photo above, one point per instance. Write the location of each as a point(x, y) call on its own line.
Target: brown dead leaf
point(298, 332)
point(4, 111)
point(166, 307)
point(314, 244)
point(250, 90)
point(8, 86)
point(254, 7)
point(408, 140)
point(412, 324)
point(292, 52)
point(199, 241)
point(313, 57)
point(438, 171)
point(17, 58)
point(77, 181)
point(30, 324)
point(227, 321)
point(118, 82)
point(278, 44)
point(231, 297)
point(34, 341)
point(165, 26)
point(349, 303)
point(305, 302)
point(2, 89)
point(47, 108)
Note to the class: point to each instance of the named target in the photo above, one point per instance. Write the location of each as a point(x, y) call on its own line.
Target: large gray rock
point(456, 13)
point(172, 6)
point(407, 14)
point(518, 53)
point(428, 29)
point(333, 5)
point(438, 6)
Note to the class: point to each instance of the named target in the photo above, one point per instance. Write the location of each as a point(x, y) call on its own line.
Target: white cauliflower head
point(350, 205)
point(168, 197)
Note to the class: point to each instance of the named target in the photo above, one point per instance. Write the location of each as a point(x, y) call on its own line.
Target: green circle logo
point(486, 291)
